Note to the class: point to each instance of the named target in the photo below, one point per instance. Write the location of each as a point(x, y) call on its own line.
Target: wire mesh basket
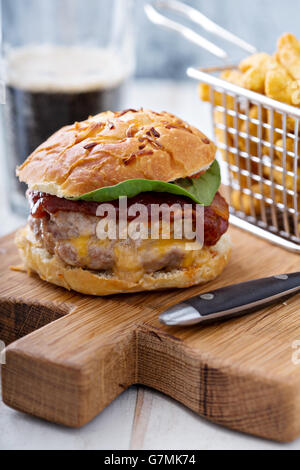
point(258, 138)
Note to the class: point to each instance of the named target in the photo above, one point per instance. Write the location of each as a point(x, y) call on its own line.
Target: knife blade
point(232, 301)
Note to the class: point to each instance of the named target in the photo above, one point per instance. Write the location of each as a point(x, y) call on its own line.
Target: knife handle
point(232, 301)
point(245, 297)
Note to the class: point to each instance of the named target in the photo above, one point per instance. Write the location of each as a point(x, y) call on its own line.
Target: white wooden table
point(139, 418)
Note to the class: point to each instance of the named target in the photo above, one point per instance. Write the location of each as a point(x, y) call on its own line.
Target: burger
point(148, 158)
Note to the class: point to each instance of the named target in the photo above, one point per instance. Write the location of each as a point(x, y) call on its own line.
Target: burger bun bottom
point(52, 269)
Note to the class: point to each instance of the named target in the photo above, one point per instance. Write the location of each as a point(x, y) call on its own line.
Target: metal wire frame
point(259, 177)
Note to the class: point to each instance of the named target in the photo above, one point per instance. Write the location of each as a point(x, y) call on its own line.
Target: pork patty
point(71, 234)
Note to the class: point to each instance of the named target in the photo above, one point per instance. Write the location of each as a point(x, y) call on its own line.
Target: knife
point(232, 301)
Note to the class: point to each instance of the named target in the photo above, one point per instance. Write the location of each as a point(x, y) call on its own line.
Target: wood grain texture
point(238, 374)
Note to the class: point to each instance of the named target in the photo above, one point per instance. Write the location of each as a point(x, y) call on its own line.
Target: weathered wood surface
point(77, 353)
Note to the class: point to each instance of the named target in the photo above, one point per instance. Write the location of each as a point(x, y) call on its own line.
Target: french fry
point(255, 69)
point(281, 87)
point(242, 202)
point(222, 119)
point(233, 76)
point(228, 138)
point(237, 196)
point(288, 54)
point(277, 123)
point(278, 175)
point(290, 147)
point(253, 130)
point(204, 90)
point(259, 61)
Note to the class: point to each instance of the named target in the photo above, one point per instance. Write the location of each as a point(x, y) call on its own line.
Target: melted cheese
point(128, 262)
point(129, 256)
point(81, 244)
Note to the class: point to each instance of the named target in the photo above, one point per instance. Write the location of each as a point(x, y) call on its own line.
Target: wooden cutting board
point(78, 353)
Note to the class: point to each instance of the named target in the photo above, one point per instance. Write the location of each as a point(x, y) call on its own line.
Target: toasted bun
point(114, 147)
point(212, 262)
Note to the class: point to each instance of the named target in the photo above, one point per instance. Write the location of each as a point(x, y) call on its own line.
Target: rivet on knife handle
point(232, 301)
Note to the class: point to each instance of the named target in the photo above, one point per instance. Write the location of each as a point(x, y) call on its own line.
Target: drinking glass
point(63, 60)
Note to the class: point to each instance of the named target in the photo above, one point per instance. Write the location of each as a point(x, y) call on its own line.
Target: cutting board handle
point(70, 370)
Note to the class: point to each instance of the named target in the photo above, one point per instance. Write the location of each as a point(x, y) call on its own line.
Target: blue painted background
point(162, 54)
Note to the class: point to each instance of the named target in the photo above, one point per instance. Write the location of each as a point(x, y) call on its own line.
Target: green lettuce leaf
point(201, 190)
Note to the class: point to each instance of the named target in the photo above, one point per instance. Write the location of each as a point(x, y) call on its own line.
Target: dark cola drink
point(50, 87)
